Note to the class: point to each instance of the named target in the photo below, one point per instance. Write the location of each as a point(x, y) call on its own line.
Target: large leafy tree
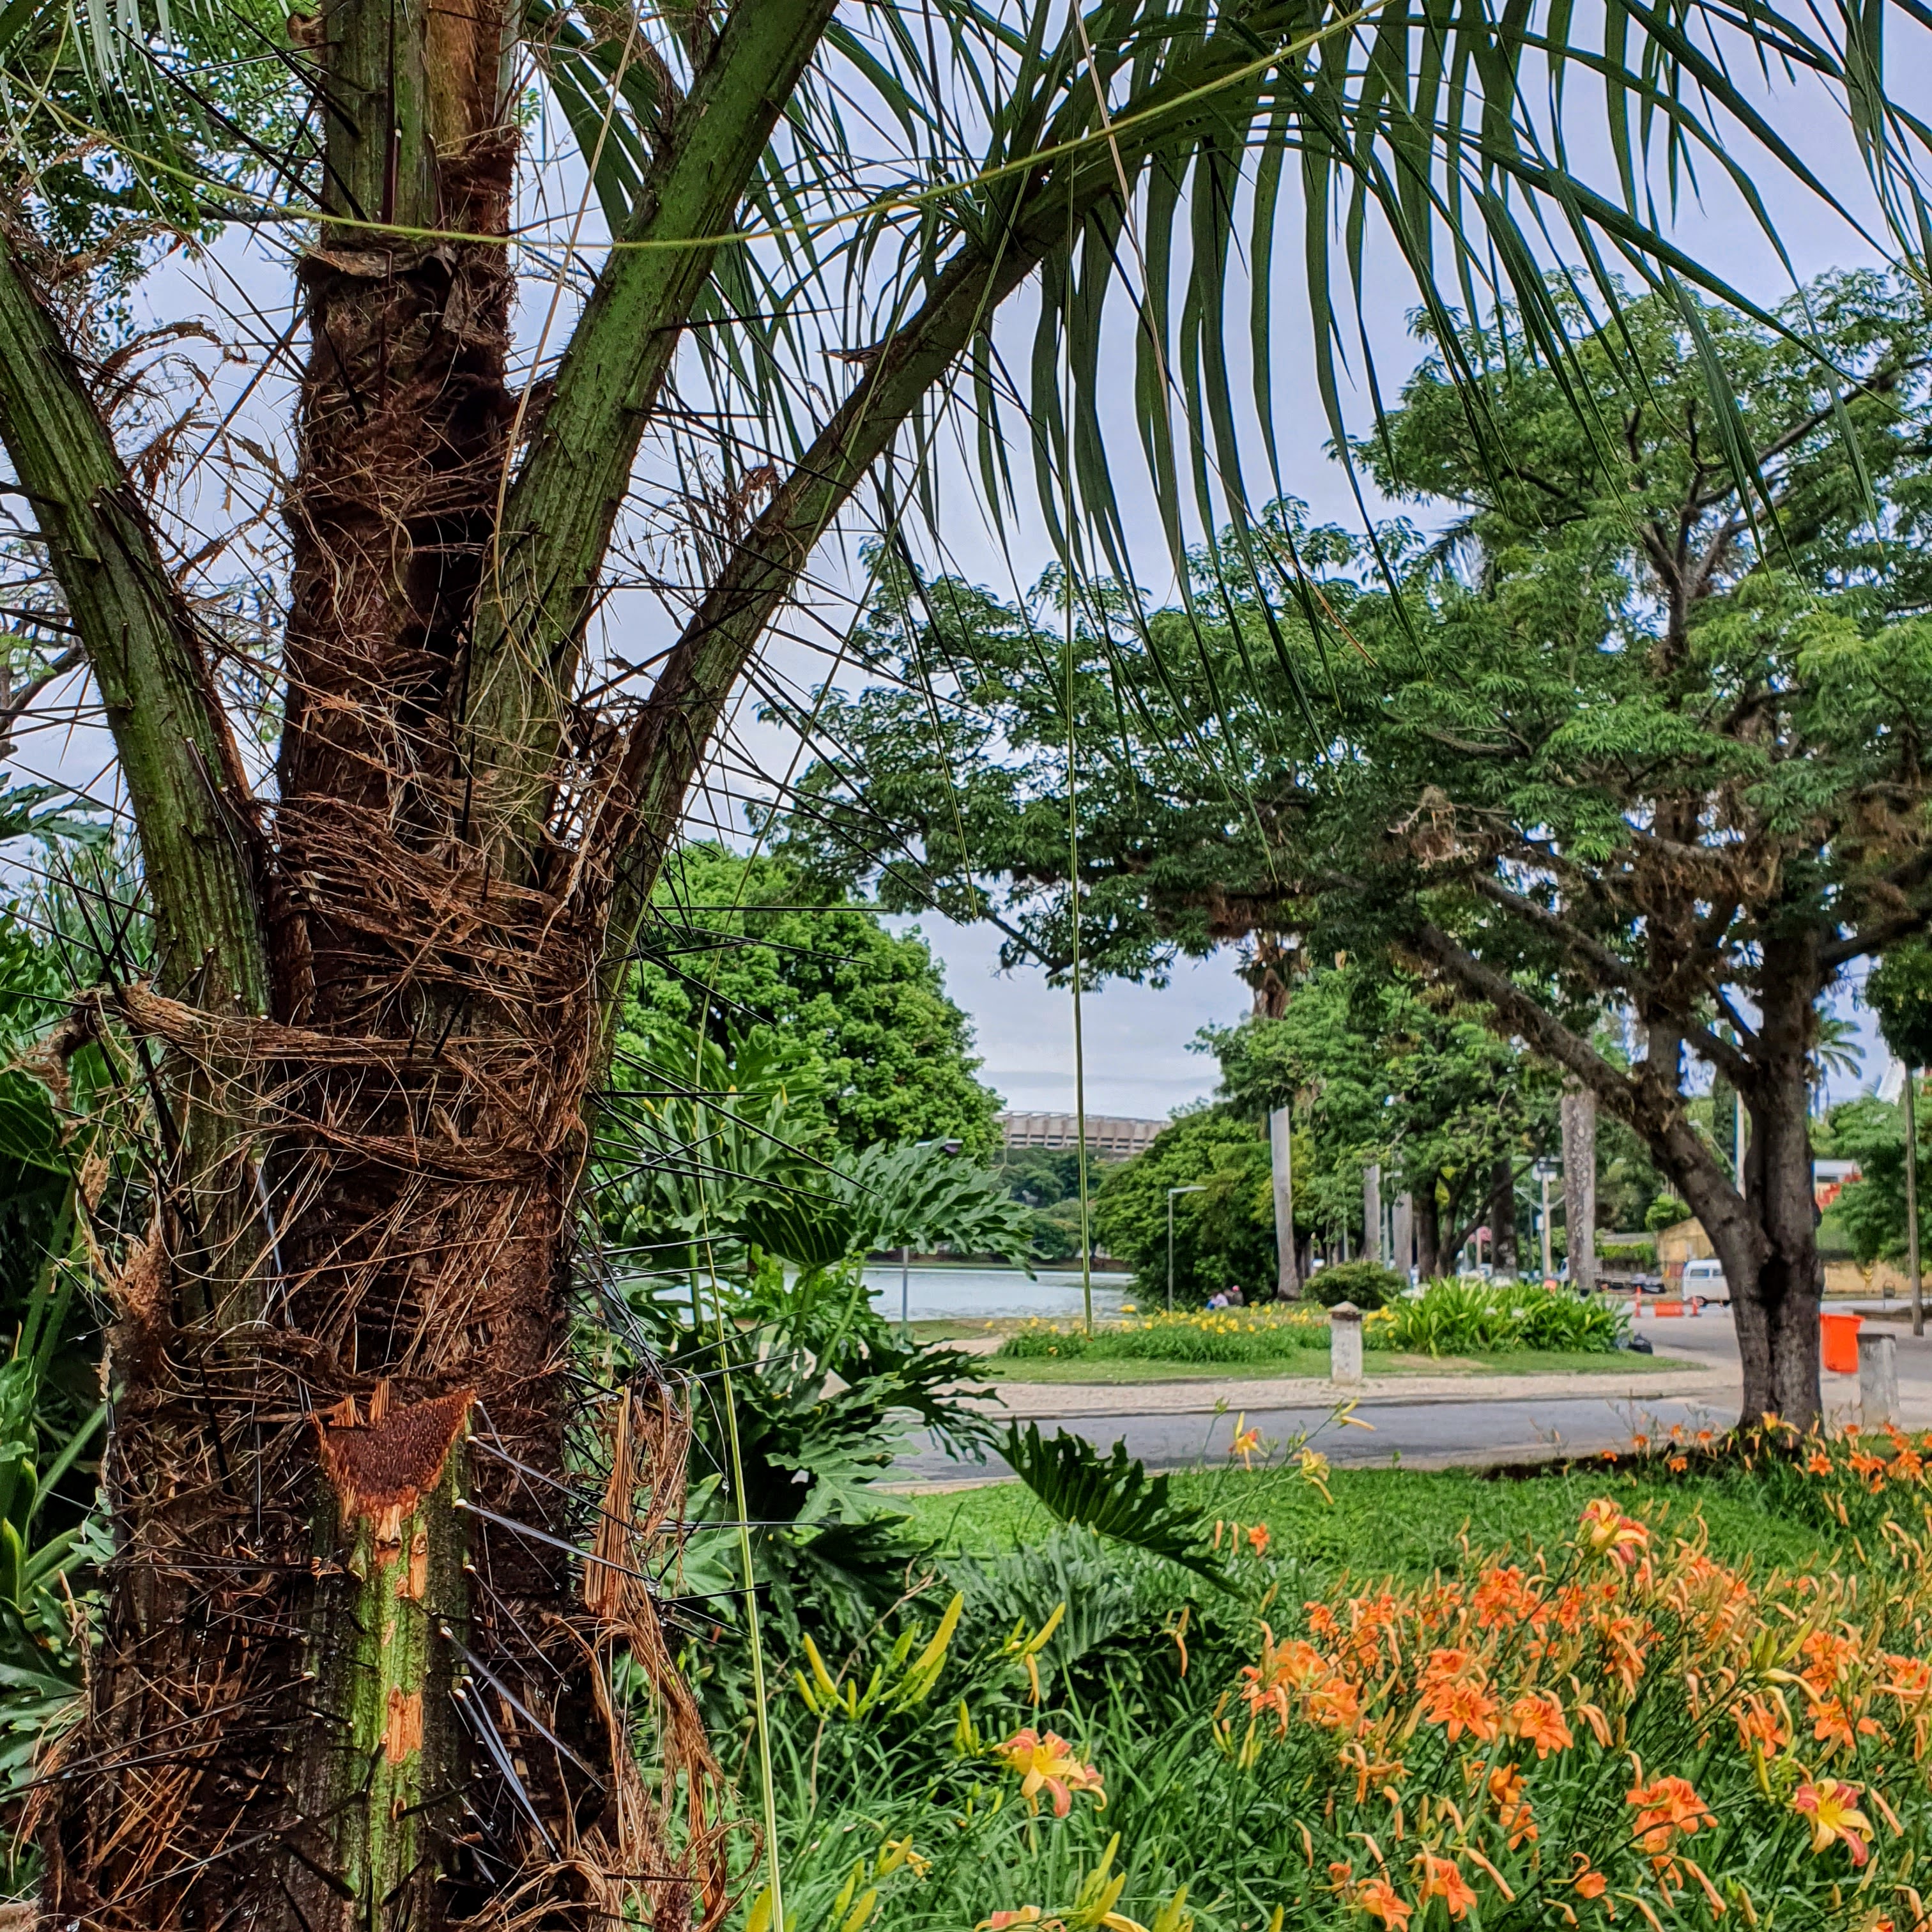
point(1223, 1236)
point(738, 946)
point(385, 973)
point(1640, 735)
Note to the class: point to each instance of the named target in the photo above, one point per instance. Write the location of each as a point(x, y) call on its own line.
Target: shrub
point(1461, 1318)
point(1367, 1284)
point(1265, 1334)
point(1627, 1254)
point(1666, 1211)
point(1584, 1325)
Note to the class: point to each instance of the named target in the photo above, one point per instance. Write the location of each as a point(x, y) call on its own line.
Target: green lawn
point(1314, 1363)
point(1401, 1522)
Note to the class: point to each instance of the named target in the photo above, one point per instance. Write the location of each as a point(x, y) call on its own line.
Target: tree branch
point(668, 741)
point(18, 704)
point(183, 773)
point(1656, 1116)
point(1875, 939)
point(558, 517)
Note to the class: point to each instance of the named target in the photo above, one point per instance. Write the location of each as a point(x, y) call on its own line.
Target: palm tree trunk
point(350, 1674)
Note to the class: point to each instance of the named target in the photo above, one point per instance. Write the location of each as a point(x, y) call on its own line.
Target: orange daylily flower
point(1442, 1878)
point(1512, 1811)
point(1759, 1725)
point(1589, 1883)
point(1835, 1817)
point(1911, 1678)
point(1827, 1656)
point(1258, 1539)
point(1608, 1532)
point(1664, 1807)
point(1831, 1724)
point(1501, 1599)
point(1335, 1704)
point(1536, 1718)
point(1463, 1705)
point(1048, 1764)
point(1380, 1899)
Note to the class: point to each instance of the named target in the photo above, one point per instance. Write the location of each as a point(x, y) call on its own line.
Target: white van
point(1704, 1281)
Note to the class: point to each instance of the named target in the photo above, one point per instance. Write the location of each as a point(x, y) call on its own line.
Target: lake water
point(968, 1294)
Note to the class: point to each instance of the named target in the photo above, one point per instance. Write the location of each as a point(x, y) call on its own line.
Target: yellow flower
point(1246, 1442)
point(1608, 1532)
point(1048, 1764)
point(1315, 1472)
point(1834, 1815)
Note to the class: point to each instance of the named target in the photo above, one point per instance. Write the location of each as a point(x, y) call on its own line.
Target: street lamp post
point(1544, 1170)
point(1200, 1187)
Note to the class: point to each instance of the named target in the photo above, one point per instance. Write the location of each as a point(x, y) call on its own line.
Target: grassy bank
point(1463, 1318)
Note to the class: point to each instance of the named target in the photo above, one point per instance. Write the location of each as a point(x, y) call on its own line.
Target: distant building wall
point(1113, 1136)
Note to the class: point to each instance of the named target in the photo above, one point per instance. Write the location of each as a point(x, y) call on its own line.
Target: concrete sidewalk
point(1423, 1421)
point(1055, 1401)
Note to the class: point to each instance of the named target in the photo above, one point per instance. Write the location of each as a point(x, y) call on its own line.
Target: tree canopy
point(1223, 1237)
point(864, 1011)
point(1636, 729)
point(1380, 1067)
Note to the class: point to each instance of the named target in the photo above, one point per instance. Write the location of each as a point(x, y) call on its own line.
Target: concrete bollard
point(1878, 1378)
point(1345, 1342)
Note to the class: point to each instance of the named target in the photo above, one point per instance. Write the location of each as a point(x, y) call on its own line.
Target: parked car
point(1704, 1281)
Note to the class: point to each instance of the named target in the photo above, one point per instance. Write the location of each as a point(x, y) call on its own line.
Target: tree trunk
point(1428, 1231)
point(351, 1672)
point(1772, 1261)
point(1502, 1216)
point(1288, 1277)
point(1767, 1238)
point(1579, 1114)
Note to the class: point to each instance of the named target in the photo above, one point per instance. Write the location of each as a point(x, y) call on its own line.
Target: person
point(1235, 1298)
point(1217, 1300)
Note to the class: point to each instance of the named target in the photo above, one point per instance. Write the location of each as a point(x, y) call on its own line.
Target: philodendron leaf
point(811, 1230)
point(1114, 1497)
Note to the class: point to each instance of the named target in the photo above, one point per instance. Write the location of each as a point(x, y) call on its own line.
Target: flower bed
point(1450, 1318)
point(1621, 1728)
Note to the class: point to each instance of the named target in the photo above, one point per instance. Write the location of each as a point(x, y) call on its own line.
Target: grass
point(1404, 1523)
point(1312, 1363)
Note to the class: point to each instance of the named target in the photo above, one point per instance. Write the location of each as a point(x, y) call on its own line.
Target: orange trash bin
point(1841, 1342)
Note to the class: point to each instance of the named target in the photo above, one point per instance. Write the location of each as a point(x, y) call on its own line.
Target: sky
point(1136, 1038)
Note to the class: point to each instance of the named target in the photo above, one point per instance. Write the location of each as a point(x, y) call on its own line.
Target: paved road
point(1436, 1433)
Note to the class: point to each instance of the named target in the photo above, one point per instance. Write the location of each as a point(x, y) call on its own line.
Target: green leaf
point(1115, 1498)
point(30, 1133)
point(813, 1231)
